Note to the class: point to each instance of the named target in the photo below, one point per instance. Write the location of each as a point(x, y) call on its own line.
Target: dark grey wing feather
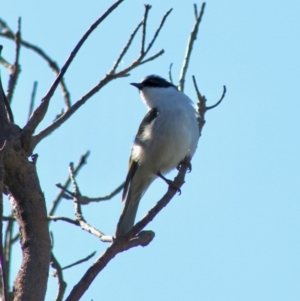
point(133, 165)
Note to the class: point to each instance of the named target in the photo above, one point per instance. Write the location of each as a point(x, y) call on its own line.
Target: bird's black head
point(154, 81)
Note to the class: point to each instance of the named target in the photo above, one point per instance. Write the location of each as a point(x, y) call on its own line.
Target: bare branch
point(170, 73)
point(65, 219)
point(39, 113)
point(195, 11)
point(120, 245)
point(80, 261)
point(52, 64)
point(6, 64)
point(109, 77)
point(6, 114)
point(16, 67)
point(158, 31)
point(32, 99)
point(201, 105)
point(8, 218)
point(123, 52)
point(82, 161)
point(127, 241)
point(178, 181)
point(8, 243)
point(153, 57)
point(219, 101)
point(77, 206)
point(84, 200)
point(144, 22)
point(62, 285)
point(2, 258)
point(15, 238)
point(192, 39)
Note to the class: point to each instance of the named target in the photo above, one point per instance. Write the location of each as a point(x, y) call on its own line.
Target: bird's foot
point(186, 161)
point(170, 183)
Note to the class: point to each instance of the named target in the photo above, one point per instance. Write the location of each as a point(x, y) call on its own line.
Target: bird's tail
point(132, 201)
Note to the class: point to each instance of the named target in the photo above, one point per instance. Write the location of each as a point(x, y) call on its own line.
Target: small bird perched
point(168, 134)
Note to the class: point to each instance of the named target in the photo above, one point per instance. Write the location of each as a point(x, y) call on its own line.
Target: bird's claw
point(187, 162)
point(170, 183)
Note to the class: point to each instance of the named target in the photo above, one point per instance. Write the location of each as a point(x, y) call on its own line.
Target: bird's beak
point(138, 85)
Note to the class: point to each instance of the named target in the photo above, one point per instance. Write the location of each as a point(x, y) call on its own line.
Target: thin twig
point(77, 207)
point(201, 104)
point(6, 64)
point(8, 218)
point(2, 259)
point(83, 225)
point(170, 73)
point(65, 219)
point(195, 11)
point(6, 114)
point(132, 239)
point(82, 161)
point(123, 52)
point(144, 22)
point(84, 200)
point(12, 82)
point(219, 101)
point(79, 261)
point(76, 190)
point(15, 238)
point(8, 248)
point(153, 57)
point(158, 31)
point(32, 99)
point(62, 285)
point(7, 33)
point(109, 77)
point(39, 113)
point(192, 39)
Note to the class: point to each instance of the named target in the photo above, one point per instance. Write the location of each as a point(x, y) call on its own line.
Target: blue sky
point(233, 234)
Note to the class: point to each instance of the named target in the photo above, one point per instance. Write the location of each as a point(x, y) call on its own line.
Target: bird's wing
point(149, 117)
point(133, 164)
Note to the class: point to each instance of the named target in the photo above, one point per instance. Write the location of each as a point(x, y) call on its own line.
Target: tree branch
point(62, 285)
point(77, 206)
point(144, 22)
point(6, 114)
point(170, 73)
point(219, 101)
point(84, 200)
point(65, 219)
point(7, 33)
point(6, 64)
point(129, 240)
point(82, 161)
point(192, 39)
point(39, 113)
point(80, 261)
point(2, 258)
point(201, 105)
point(112, 75)
point(32, 99)
point(125, 49)
point(162, 22)
point(12, 82)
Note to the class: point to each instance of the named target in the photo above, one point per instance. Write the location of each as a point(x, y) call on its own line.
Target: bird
point(167, 135)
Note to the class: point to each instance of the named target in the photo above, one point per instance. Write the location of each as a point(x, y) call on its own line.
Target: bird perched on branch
point(167, 135)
